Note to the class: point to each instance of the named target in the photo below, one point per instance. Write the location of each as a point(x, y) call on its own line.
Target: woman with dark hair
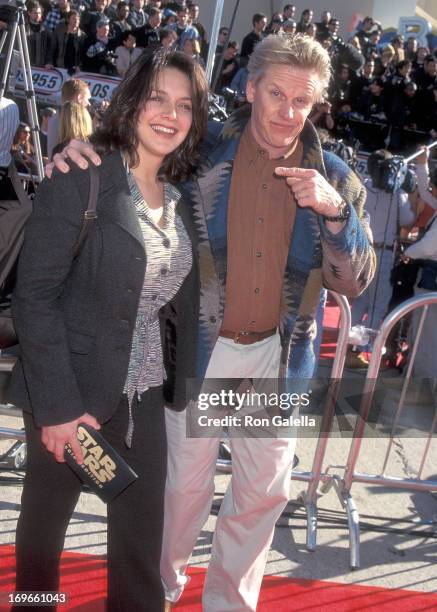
point(89, 327)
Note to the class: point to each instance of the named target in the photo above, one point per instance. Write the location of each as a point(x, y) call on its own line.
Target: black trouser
point(135, 517)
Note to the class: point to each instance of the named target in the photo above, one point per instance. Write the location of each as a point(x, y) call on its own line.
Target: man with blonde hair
point(278, 220)
point(281, 218)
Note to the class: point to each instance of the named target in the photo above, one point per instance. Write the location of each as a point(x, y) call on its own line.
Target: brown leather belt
point(247, 337)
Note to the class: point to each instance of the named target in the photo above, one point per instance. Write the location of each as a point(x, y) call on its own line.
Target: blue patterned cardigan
point(344, 262)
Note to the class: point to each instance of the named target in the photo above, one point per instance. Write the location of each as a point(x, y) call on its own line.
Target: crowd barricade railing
point(316, 476)
point(351, 475)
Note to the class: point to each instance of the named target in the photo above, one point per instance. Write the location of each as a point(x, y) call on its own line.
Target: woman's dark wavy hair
point(118, 130)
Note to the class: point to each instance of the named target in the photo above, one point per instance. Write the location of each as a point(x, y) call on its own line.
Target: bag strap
point(91, 212)
point(21, 194)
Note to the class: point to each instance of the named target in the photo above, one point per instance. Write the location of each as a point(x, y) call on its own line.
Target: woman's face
point(166, 119)
point(188, 47)
point(24, 135)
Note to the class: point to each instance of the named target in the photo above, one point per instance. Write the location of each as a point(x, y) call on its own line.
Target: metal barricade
point(316, 475)
point(343, 485)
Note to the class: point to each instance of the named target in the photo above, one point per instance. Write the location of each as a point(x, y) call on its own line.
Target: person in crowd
point(411, 49)
point(311, 31)
point(372, 103)
point(384, 66)
point(398, 45)
point(39, 38)
point(427, 120)
point(182, 28)
point(89, 328)
point(340, 86)
point(322, 25)
point(137, 17)
point(305, 19)
point(421, 54)
point(425, 249)
point(230, 67)
point(98, 50)
point(112, 10)
point(288, 12)
point(222, 40)
point(46, 114)
point(148, 34)
point(321, 116)
point(364, 30)
point(9, 122)
point(362, 82)
point(169, 18)
point(57, 14)
point(275, 24)
point(289, 26)
point(426, 77)
point(89, 19)
point(73, 90)
point(355, 42)
point(259, 23)
point(75, 122)
point(239, 83)
point(194, 12)
point(370, 50)
point(23, 151)
point(167, 38)
point(387, 211)
point(192, 48)
point(68, 41)
point(287, 75)
point(126, 53)
point(121, 24)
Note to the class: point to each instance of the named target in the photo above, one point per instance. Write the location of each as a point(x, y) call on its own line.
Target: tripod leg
point(30, 94)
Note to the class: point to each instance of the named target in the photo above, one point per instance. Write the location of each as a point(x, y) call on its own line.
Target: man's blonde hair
point(297, 51)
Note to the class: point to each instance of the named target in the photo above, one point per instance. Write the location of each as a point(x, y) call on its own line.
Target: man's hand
point(311, 190)
point(55, 437)
point(77, 151)
point(423, 157)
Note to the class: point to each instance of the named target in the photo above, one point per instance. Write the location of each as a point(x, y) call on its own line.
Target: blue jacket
point(344, 262)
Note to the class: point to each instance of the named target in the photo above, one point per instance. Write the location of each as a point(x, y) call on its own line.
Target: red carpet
point(331, 319)
point(84, 579)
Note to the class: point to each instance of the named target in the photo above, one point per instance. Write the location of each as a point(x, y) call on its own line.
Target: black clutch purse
point(103, 470)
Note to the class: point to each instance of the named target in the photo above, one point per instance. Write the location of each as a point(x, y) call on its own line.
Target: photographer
point(98, 55)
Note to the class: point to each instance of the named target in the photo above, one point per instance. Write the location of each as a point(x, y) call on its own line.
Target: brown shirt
point(260, 221)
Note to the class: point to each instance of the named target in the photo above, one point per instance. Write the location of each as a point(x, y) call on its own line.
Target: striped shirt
point(9, 120)
point(169, 259)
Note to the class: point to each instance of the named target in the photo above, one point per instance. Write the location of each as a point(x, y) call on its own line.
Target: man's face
point(281, 101)
point(182, 17)
point(130, 42)
point(326, 17)
point(123, 12)
point(155, 3)
point(155, 20)
point(74, 21)
point(375, 89)
point(138, 4)
point(334, 26)
point(64, 5)
point(260, 25)
point(103, 31)
point(230, 53)
point(289, 13)
point(35, 15)
point(307, 15)
point(194, 12)
point(101, 5)
point(222, 37)
point(431, 68)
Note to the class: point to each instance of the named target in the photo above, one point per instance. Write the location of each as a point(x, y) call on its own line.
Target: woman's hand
point(77, 151)
point(55, 437)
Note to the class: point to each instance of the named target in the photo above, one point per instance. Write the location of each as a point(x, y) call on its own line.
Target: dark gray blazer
point(75, 318)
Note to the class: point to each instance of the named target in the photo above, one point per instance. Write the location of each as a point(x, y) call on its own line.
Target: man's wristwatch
point(344, 212)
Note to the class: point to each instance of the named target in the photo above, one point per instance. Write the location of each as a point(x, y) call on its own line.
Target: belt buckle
point(238, 334)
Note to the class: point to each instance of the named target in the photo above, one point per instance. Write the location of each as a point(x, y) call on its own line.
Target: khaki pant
point(254, 500)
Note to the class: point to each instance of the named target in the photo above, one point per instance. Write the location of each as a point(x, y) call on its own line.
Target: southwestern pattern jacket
point(344, 262)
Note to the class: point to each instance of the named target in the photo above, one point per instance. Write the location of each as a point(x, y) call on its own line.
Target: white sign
point(101, 87)
point(46, 83)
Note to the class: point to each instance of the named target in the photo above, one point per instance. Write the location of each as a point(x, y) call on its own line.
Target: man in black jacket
point(259, 22)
